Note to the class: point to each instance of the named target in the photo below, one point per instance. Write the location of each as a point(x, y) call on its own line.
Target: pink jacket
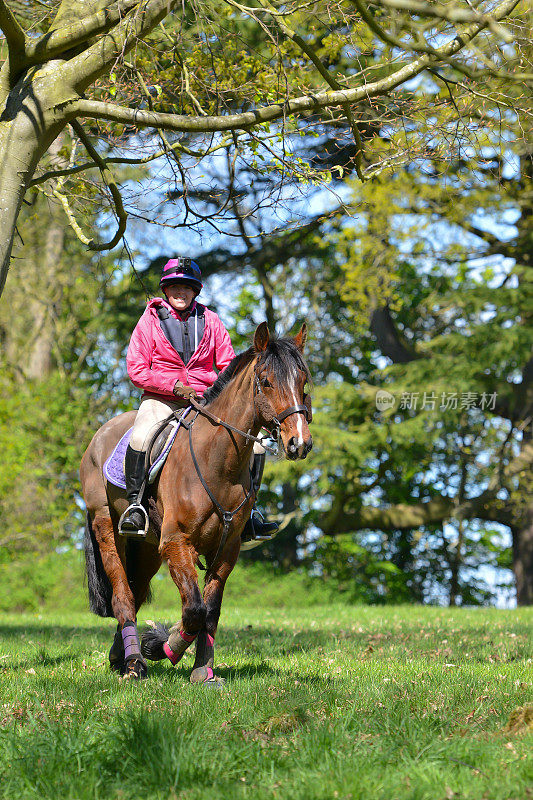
point(154, 365)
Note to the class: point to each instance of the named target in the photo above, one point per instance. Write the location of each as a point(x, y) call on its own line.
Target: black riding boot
point(133, 520)
point(257, 528)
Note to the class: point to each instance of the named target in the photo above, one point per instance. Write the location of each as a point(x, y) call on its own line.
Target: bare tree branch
point(330, 80)
point(420, 45)
point(71, 35)
point(176, 146)
point(449, 13)
point(16, 44)
point(15, 36)
point(84, 68)
point(111, 183)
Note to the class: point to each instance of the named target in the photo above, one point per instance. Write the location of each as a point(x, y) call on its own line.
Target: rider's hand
point(187, 392)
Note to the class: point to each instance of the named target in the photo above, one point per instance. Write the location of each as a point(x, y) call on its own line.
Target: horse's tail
point(152, 642)
point(100, 591)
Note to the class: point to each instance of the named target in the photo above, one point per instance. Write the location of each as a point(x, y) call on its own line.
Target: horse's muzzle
point(298, 448)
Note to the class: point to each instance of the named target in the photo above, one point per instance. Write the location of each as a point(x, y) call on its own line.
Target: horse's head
point(279, 388)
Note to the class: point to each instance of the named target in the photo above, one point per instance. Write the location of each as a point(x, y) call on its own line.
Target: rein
point(213, 418)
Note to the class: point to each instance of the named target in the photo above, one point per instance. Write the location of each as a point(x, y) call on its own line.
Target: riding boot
point(257, 528)
point(133, 520)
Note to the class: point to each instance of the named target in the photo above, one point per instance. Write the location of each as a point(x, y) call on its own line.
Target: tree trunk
point(47, 263)
point(523, 560)
point(29, 123)
point(455, 565)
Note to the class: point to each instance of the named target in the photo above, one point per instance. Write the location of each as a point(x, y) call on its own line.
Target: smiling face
point(179, 295)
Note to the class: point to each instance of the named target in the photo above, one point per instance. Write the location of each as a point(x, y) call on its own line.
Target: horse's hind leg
point(143, 561)
point(122, 601)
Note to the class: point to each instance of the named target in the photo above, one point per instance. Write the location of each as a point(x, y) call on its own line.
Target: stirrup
point(134, 507)
point(251, 543)
point(258, 539)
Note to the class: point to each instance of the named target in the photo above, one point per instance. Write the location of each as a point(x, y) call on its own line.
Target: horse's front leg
point(180, 557)
point(202, 671)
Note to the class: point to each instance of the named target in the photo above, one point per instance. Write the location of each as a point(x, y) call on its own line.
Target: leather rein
point(276, 420)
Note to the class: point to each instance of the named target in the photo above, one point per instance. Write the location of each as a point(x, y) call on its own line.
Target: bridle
point(276, 419)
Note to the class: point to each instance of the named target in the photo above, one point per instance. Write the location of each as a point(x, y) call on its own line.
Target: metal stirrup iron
point(135, 507)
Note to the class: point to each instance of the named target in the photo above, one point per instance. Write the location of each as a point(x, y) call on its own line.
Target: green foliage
point(411, 248)
point(55, 582)
point(43, 430)
point(415, 239)
point(358, 574)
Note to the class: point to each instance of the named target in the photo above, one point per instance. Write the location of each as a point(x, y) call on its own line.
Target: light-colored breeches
point(151, 412)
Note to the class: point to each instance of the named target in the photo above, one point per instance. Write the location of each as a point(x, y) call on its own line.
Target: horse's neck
point(235, 405)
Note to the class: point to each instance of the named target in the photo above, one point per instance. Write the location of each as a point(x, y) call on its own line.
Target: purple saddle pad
point(114, 466)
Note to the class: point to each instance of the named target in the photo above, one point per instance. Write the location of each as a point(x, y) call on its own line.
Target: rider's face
point(180, 296)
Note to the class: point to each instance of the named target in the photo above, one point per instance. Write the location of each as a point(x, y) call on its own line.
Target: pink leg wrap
point(170, 654)
point(175, 657)
point(210, 640)
point(210, 674)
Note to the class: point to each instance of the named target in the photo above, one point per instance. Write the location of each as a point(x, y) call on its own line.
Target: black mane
point(235, 365)
point(281, 356)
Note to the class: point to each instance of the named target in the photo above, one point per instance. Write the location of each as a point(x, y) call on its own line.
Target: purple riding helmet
point(182, 270)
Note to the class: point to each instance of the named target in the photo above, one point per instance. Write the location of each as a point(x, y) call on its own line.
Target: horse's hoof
point(116, 654)
point(204, 676)
point(135, 669)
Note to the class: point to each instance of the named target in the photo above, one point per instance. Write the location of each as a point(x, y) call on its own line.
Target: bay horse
point(200, 503)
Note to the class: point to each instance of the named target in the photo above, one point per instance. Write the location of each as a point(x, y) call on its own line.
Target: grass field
point(319, 702)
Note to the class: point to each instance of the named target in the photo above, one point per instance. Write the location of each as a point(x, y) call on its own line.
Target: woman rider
point(171, 357)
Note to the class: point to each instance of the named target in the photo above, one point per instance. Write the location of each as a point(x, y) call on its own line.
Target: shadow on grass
point(270, 642)
point(276, 637)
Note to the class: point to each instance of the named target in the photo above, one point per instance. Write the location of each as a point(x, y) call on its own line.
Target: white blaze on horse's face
point(294, 429)
point(299, 423)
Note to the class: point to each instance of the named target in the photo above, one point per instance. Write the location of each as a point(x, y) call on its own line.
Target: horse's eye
point(266, 383)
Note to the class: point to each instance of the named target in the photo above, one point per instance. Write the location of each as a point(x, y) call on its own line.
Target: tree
point(58, 351)
point(453, 319)
point(275, 73)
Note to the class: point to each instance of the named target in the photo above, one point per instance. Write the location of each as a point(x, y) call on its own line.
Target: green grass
point(320, 702)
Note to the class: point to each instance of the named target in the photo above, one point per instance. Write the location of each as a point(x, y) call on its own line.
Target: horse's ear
point(261, 338)
point(301, 338)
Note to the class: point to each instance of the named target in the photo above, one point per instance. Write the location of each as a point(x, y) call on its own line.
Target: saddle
point(114, 466)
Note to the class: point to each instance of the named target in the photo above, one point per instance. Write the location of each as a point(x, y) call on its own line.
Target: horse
point(198, 507)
